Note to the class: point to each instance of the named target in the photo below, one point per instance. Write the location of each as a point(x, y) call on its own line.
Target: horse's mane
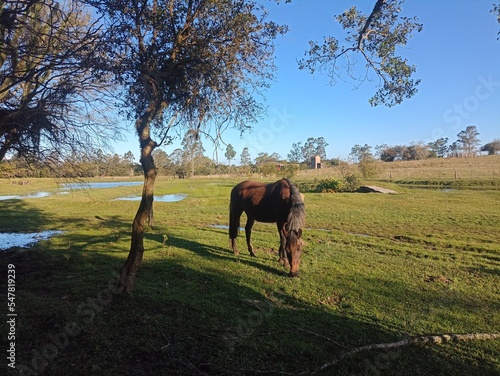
point(297, 215)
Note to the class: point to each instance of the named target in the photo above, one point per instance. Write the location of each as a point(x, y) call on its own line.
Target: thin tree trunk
point(145, 212)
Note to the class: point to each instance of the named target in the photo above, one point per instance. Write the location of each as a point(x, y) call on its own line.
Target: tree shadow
point(225, 255)
point(19, 216)
point(185, 321)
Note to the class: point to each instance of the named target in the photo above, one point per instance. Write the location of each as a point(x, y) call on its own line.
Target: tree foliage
point(360, 153)
point(197, 64)
point(375, 37)
point(469, 141)
point(439, 148)
point(52, 96)
point(245, 158)
point(492, 147)
point(303, 152)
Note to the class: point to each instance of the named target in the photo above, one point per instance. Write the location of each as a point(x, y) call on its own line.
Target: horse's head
point(293, 250)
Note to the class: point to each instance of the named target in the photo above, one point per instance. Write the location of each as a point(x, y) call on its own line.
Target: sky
point(457, 56)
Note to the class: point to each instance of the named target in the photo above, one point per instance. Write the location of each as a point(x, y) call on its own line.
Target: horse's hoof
point(293, 274)
point(253, 254)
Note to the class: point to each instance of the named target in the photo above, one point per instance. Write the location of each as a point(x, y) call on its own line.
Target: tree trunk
point(145, 211)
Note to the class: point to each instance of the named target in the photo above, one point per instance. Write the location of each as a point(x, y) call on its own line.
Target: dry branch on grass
point(443, 338)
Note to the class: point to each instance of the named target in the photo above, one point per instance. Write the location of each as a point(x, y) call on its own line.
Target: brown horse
point(278, 202)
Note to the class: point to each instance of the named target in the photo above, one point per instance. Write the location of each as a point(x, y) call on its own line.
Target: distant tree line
point(466, 145)
point(189, 160)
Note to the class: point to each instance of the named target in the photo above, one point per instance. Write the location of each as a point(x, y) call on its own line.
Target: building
point(315, 162)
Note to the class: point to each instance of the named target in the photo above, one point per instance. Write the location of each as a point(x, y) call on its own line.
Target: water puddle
point(163, 198)
point(14, 239)
point(72, 186)
point(22, 197)
point(362, 235)
point(101, 185)
point(222, 227)
point(226, 227)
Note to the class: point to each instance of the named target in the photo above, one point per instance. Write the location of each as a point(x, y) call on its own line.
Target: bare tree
point(189, 63)
point(51, 95)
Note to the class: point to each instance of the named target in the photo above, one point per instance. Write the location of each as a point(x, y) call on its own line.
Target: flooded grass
point(430, 265)
point(29, 195)
point(163, 198)
point(22, 240)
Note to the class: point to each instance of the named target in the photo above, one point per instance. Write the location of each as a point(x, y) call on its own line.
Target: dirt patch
point(438, 278)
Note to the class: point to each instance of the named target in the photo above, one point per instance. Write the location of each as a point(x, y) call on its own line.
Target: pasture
point(375, 269)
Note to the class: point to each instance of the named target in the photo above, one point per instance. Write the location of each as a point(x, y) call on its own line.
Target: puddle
point(226, 227)
point(100, 185)
point(223, 227)
point(70, 186)
point(164, 198)
point(362, 235)
point(14, 239)
point(29, 195)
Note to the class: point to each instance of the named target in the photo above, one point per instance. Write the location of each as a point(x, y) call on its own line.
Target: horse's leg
point(248, 233)
point(282, 254)
point(234, 226)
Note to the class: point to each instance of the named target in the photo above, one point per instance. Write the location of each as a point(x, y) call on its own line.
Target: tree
point(492, 147)
point(245, 159)
point(393, 153)
point(360, 153)
point(196, 63)
point(52, 95)
point(454, 150)
point(439, 148)
point(416, 151)
point(469, 141)
point(496, 12)
point(193, 149)
point(314, 146)
point(162, 161)
point(230, 154)
point(374, 37)
point(295, 155)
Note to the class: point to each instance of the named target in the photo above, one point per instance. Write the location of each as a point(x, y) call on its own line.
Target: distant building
point(315, 162)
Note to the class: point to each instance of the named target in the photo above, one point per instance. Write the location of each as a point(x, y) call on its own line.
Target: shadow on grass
point(181, 321)
point(19, 216)
point(225, 255)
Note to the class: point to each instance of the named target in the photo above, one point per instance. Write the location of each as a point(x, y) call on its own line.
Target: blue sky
point(457, 57)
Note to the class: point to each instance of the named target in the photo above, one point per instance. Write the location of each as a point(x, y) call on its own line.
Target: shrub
point(328, 185)
point(352, 182)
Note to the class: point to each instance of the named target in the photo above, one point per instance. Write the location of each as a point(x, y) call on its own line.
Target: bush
point(328, 185)
point(352, 182)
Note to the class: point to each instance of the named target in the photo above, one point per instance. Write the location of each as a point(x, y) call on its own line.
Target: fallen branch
point(404, 342)
point(409, 341)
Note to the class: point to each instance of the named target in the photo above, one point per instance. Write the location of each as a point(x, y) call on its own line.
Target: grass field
point(434, 170)
point(375, 269)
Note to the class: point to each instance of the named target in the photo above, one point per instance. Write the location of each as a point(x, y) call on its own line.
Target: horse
point(280, 203)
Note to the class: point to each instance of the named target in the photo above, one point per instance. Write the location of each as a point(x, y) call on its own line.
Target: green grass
point(375, 268)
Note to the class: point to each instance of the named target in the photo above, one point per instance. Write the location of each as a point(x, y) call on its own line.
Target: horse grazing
point(279, 202)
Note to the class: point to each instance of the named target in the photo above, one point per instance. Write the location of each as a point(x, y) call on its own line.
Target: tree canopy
point(195, 64)
point(52, 98)
point(376, 38)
